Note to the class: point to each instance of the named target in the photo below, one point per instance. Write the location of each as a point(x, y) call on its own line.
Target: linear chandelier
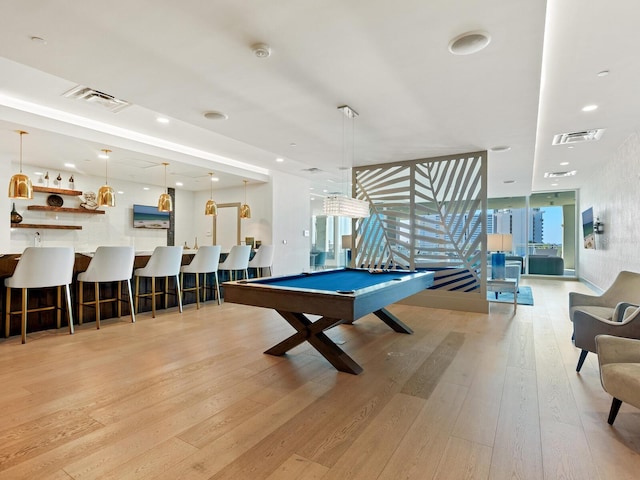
point(344, 205)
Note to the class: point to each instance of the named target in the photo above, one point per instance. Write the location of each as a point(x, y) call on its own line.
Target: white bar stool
point(262, 259)
point(41, 267)
point(237, 260)
point(109, 264)
point(206, 261)
point(164, 262)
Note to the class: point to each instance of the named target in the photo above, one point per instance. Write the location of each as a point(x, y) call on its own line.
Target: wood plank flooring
point(192, 396)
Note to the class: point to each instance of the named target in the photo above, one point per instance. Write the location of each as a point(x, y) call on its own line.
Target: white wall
point(115, 227)
point(613, 192)
point(291, 217)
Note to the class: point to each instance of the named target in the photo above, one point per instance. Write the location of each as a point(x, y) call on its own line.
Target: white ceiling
point(388, 60)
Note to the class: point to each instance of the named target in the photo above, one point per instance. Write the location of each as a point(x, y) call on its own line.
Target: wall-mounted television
point(145, 216)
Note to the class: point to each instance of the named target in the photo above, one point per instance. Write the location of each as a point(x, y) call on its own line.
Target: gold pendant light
point(245, 210)
point(20, 184)
point(106, 195)
point(211, 209)
point(165, 204)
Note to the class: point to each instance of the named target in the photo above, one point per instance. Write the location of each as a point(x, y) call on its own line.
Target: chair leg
point(197, 291)
point(7, 314)
point(96, 287)
point(583, 355)
point(217, 287)
point(615, 407)
point(24, 315)
point(119, 299)
point(166, 291)
point(69, 311)
point(59, 306)
point(137, 298)
point(80, 302)
point(153, 297)
point(178, 292)
point(133, 314)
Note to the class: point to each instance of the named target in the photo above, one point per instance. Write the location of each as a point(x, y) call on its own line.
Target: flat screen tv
point(145, 216)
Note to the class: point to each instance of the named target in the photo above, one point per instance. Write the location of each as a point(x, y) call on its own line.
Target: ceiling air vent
point(577, 137)
point(312, 170)
point(90, 95)
point(570, 173)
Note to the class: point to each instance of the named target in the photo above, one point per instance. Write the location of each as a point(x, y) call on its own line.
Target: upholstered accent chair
point(587, 325)
point(625, 288)
point(619, 360)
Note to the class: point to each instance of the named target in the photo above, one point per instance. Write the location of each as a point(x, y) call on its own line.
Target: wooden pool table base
point(313, 332)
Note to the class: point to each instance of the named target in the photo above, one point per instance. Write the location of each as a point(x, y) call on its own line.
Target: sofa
point(545, 265)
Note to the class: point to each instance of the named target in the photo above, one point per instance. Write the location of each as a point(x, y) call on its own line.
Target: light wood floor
point(192, 396)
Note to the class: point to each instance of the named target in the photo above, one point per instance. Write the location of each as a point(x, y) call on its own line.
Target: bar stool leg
point(119, 301)
point(137, 293)
point(59, 306)
point(197, 291)
point(69, 311)
point(153, 297)
point(204, 288)
point(24, 315)
point(217, 287)
point(166, 291)
point(131, 309)
point(97, 294)
point(178, 292)
point(7, 313)
point(80, 302)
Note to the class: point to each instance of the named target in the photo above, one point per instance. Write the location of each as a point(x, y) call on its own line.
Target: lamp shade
point(106, 196)
point(499, 242)
point(245, 211)
point(211, 208)
point(346, 242)
point(20, 187)
point(164, 203)
point(343, 206)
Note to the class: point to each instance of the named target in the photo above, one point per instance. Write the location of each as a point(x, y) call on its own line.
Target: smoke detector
point(261, 50)
point(577, 137)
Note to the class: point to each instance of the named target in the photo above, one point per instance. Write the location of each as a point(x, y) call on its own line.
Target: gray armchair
point(619, 360)
point(625, 288)
point(586, 326)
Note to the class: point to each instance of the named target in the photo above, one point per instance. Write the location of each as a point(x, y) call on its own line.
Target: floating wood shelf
point(48, 208)
point(58, 191)
point(42, 226)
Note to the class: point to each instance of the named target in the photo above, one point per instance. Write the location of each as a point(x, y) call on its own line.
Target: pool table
point(338, 296)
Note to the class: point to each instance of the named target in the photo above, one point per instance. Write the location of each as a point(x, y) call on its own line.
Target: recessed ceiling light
point(469, 43)
point(293, 144)
point(38, 173)
point(120, 192)
point(310, 188)
point(179, 184)
point(325, 191)
point(603, 73)
point(279, 160)
point(162, 120)
point(500, 148)
point(213, 115)
point(39, 40)
point(589, 108)
point(571, 146)
point(554, 184)
point(145, 188)
point(69, 165)
point(564, 163)
point(215, 179)
point(104, 155)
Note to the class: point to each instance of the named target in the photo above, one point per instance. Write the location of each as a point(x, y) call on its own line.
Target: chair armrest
point(617, 350)
point(623, 311)
point(580, 299)
point(587, 325)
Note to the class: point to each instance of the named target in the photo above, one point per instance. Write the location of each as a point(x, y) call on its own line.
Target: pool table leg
point(393, 321)
point(312, 332)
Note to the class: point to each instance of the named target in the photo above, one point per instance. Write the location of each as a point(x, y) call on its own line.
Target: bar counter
point(47, 320)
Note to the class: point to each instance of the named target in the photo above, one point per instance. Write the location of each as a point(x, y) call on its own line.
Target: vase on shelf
point(15, 216)
point(195, 245)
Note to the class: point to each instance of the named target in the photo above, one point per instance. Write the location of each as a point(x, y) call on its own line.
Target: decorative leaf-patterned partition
point(428, 213)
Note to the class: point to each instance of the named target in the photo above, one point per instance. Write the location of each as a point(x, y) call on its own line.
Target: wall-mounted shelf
point(45, 226)
point(48, 208)
point(58, 191)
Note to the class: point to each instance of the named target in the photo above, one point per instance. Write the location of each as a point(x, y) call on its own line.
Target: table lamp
point(498, 243)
